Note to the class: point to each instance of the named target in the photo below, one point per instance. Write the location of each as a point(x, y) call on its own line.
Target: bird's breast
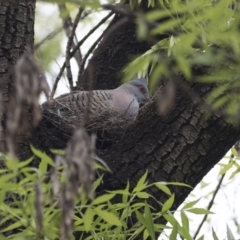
point(126, 105)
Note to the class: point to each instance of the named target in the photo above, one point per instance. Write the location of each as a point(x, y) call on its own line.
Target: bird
point(120, 103)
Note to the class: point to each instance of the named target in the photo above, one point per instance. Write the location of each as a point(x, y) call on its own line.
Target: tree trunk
point(16, 34)
point(181, 146)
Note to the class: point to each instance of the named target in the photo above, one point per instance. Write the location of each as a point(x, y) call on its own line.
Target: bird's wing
point(76, 103)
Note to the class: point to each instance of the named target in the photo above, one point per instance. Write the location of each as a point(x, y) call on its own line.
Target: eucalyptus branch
point(69, 46)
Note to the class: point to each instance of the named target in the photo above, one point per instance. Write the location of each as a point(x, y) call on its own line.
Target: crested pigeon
point(121, 102)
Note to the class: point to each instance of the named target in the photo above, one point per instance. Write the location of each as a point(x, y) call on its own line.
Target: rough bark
point(16, 34)
point(181, 146)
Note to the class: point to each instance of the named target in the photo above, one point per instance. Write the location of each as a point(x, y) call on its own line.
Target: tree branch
point(76, 48)
point(209, 205)
point(69, 46)
point(67, 25)
point(80, 73)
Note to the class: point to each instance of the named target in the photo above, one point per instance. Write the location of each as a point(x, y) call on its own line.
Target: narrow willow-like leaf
point(214, 235)
point(141, 183)
point(199, 211)
point(229, 234)
point(149, 221)
point(108, 217)
point(168, 204)
point(103, 199)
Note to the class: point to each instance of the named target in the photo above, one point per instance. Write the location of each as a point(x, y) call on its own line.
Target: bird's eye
point(141, 88)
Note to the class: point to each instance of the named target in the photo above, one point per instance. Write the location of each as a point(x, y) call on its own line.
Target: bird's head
point(138, 87)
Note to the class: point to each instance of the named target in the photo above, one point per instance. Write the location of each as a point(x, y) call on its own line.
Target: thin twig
point(69, 46)
point(75, 49)
point(57, 79)
point(122, 21)
point(91, 32)
point(210, 205)
point(87, 55)
point(67, 25)
point(48, 37)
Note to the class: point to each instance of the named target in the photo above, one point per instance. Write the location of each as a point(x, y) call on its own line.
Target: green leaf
point(156, 14)
point(5, 178)
point(140, 218)
point(103, 199)
point(226, 168)
point(143, 195)
point(201, 238)
point(2, 237)
point(163, 187)
point(51, 213)
point(178, 184)
point(141, 183)
point(138, 205)
point(120, 192)
point(168, 204)
point(108, 217)
point(25, 163)
point(234, 173)
point(191, 204)
point(103, 166)
point(145, 234)
point(149, 221)
point(229, 234)
point(173, 235)
point(125, 196)
point(185, 234)
point(78, 221)
point(12, 163)
point(234, 152)
point(88, 218)
point(136, 232)
point(170, 219)
point(164, 26)
point(45, 159)
point(97, 182)
point(199, 211)
point(142, 28)
point(185, 222)
point(214, 235)
point(12, 226)
point(58, 151)
point(125, 213)
point(184, 66)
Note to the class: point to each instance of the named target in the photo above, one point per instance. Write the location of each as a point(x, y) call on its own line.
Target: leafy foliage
point(99, 218)
point(199, 33)
point(190, 34)
point(184, 35)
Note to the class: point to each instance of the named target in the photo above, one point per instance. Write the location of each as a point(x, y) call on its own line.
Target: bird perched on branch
point(122, 102)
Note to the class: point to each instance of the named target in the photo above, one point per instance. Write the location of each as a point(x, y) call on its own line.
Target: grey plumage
point(121, 102)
